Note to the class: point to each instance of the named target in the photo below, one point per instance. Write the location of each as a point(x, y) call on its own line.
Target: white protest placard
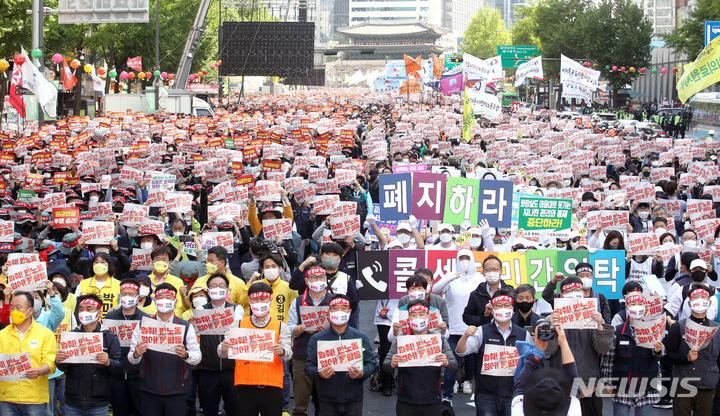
point(532, 69)
point(134, 214)
point(698, 336)
point(643, 244)
point(434, 319)
point(251, 344)
point(483, 103)
point(148, 226)
point(649, 332)
point(141, 257)
point(100, 210)
point(122, 329)
point(419, 350)
point(81, 347)
point(212, 321)
point(653, 307)
point(573, 72)
point(98, 232)
point(344, 209)
point(222, 238)
point(267, 191)
point(161, 336)
point(178, 202)
point(14, 366)
point(345, 226)
point(224, 211)
point(27, 277)
point(130, 175)
point(160, 180)
point(86, 187)
point(499, 360)
point(281, 228)
point(53, 200)
point(313, 317)
point(7, 231)
point(324, 204)
point(16, 259)
point(340, 354)
point(576, 313)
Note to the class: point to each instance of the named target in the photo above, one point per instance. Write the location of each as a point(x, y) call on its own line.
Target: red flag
point(67, 78)
point(17, 101)
point(135, 63)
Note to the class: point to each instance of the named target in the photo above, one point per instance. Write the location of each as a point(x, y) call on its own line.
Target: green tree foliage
point(485, 32)
point(689, 37)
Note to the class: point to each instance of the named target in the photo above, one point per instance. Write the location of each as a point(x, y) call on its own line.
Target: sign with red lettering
point(7, 230)
point(161, 336)
point(340, 355)
point(648, 333)
point(251, 344)
point(643, 244)
point(122, 329)
point(281, 228)
point(499, 361)
point(267, 191)
point(212, 321)
point(134, 214)
point(178, 202)
point(98, 232)
point(27, 277)
point(14, 366)
point(81, 347)
point(419, 350)
point(698, 336)
point(324, 204)
point(345, 226)
point(66, 217)
point(314, 318)
point(223, 239)
point(576, 313)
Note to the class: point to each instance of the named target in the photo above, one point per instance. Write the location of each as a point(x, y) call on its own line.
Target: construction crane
point(191, 45)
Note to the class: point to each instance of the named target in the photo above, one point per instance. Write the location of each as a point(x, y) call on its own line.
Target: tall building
point(507, 10)
point(462, 13)
point(396, 10)
point(662, 14)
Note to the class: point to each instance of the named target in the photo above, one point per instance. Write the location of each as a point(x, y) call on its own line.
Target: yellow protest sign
point(702, 73)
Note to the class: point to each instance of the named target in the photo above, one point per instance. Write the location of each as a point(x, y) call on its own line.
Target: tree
point(523, 30)
point(485, 32)
point(689, 37)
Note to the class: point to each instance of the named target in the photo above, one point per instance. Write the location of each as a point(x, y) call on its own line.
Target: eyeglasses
point(217, 286)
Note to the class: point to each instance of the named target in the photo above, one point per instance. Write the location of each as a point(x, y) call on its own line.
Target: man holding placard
point(162, 392)
point(584, 272)
point(494, 343)
point(340, 374)
point(419, 357)
point(87, 390)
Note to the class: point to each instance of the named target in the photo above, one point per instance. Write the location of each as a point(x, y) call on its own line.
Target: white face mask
point(417, 294)
point(339, 318)
point(465, 265)
point(573, 295)
point(199, 302)
point(699, 305)
point(88, 318)
point(419, 325)
point(660, 231)
point(46, 175)
point(128, 302)
point(144, 291)
point(165, 305)
point(503, 314)
point(94, 199)
point(587, 283)
point(37, 305)
point(61, 282)
point(260, 309)
point(669, 243)
point(492, 277)
point(644, 215)
point(636, 312)
point(445, 238)
point(146, 246)
point(655, 163)
point(271, 274)
point(403, 238)
point(566, 182)
point(690, 244)
point(475, 242)
point(317, 286)
point(406, 160)
point(217, 293)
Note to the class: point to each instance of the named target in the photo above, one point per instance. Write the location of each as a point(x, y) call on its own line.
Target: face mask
point(690, 244)
point(26, 229)
point(419, 325)
point(698, 276)
point(144, 291)
point(102, 250)
point(217, 293)
point(445, 238)
point(128, 302)
point(339, 318)
point(660, 231)
point(475, 242)
point(160, 267)
point(61, 282)
point(317, 286)
point(492, 277)
point(100, 269)
point(614, 246)
point(271, 274)
point(165, 305)
point(636, 312)
point(331, 263)
point(465, 265)
point(94, 199)
point(524, 307)
point(146, 246)
point(573, 295)
point(211, 268)
point(587, 283)
point(37, 305)
point(46, 175)
point(502, 315)
point(644, 215)
point(417, 294)
point(118, 210)
point(655, 163)
point(6, 176)
point(403, 238)
point(260, 309)
point(17, 317)
point(406, 160)
point(88, 318)
point(699, 305)
point(199, 302)
point(646, 174)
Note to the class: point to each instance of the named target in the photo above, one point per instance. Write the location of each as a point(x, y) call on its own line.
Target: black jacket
point(208, 347)
point(88, 385)
point(131, 371)
point(474, 314)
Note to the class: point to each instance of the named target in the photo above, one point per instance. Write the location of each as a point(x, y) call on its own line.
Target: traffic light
point(456, 59)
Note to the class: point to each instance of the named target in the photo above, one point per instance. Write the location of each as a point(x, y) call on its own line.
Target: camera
point(545, 330)
point(185, 238)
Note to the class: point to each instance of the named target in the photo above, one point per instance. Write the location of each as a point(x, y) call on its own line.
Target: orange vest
point(257, 373)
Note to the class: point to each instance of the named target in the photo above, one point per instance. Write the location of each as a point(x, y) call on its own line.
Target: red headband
point(340, 301)
point(635, 298)
point(18, 241)
point(315, 270)
point(699, 292)
point(91, 302)
point(569, 286)
point(418, 308)
point(7, 247)
point(69, 245)
point(164, 291)
point(416, 284)
point(502, 298)
point(258, 295)
point(130, 286)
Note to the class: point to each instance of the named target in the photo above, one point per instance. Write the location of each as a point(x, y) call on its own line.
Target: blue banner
point(608, 272)
point(395, 196)
point(496, 203)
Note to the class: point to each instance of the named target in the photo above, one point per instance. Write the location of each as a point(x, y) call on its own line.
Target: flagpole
point(38, 43)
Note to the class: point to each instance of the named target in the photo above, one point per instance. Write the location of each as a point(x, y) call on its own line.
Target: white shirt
point(457, 292)
point(473, 343)
point(191, 345)
point(675, 299)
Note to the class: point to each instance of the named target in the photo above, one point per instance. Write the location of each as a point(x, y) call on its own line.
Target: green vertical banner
point(461, 200)
point(568, 259)
point(539, 213)
point(541, 266)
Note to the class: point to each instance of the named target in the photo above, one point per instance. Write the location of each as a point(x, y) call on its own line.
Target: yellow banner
point(468, 118)
point(702, 73)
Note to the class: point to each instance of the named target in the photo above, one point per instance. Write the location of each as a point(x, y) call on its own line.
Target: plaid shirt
point(634, 399)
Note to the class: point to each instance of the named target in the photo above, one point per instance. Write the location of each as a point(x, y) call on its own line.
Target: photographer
point(260, 247)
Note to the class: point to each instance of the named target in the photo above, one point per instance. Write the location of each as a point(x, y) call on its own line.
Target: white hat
point(447, 227)
point(698, 263)
point(711, 132)
point(404, 226)
point(393, 244)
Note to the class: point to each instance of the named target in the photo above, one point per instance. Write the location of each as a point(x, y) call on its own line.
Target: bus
point(706, 108)
point(507, 98)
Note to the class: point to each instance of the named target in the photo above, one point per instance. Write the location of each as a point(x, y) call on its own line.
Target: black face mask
point(342, 244)
point(614, 246)
point(698, 276)
point(524, 307)
point(26, 228)
point(118, 210)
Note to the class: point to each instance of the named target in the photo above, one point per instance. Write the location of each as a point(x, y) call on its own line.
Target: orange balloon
point(75, 64)
point(131, 75)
